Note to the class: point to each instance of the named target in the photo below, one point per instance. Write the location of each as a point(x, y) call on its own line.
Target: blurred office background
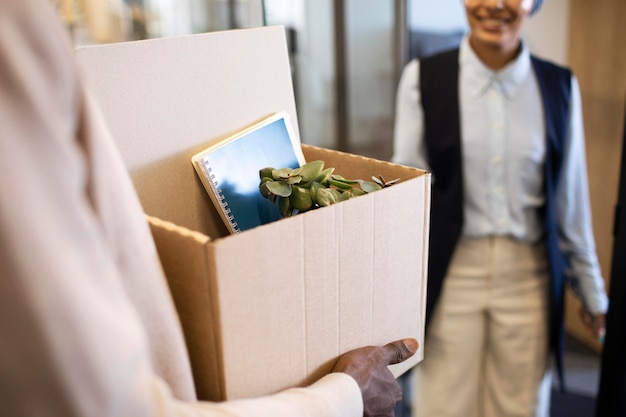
point(347, 55)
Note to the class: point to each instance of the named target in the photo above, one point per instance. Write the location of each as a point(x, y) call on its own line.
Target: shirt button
point(496, 158)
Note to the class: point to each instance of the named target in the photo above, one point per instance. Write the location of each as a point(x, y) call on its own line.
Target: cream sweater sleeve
point(86, 323)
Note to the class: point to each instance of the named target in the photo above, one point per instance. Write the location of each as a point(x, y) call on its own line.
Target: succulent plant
point(311, 186)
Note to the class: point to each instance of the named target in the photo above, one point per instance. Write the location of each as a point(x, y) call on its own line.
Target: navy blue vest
point(439, 79)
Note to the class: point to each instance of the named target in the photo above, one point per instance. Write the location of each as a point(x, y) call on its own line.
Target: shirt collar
point(480, 77)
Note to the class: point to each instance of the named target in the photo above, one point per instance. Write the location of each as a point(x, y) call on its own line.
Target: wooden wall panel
point(597, 55)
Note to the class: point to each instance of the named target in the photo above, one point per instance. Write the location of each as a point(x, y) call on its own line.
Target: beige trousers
point(486, 349)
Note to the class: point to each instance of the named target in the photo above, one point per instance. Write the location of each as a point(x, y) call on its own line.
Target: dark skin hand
point(595, 324)
point(368, 366)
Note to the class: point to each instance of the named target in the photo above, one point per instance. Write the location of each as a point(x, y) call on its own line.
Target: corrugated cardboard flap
point(186, 259)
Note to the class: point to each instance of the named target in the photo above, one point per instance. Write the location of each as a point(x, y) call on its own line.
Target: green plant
point(311, 186)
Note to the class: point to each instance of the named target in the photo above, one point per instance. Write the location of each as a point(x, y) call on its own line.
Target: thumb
point(400, 350)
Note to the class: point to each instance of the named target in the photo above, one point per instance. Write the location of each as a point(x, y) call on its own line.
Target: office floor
point(582, 373)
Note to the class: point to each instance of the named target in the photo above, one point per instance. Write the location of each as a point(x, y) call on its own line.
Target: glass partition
point(346, 55)
point(106, 21)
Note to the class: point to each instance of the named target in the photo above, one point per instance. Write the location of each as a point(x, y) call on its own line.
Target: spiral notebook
point(229, 170)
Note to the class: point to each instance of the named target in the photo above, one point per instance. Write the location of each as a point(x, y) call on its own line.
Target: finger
point(586, 318)
point(601, 335)
point(598, 325)
point(400, 350)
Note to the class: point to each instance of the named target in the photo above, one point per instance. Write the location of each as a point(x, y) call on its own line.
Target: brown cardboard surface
point(272, 307)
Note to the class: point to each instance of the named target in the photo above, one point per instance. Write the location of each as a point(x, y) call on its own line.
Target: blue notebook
point(229, 170)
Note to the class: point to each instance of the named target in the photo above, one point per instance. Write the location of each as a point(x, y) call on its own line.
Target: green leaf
point(339, 184)
point(311, 186)
point(368, 186)
point(265, 191)
point(280, 188)
point(314, 187)
point(300, 199)
point(324, 175)
point(284, 206)
point(336, 194)
point(281, 174)
point(344, 180)
point(296, 179)
point(266, 173)
point(325, 197)
point(347, 195)
point(296, 171)
point(311, 170)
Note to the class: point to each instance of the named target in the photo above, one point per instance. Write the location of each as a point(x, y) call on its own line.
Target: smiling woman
point(501, 132)
point(495, 27)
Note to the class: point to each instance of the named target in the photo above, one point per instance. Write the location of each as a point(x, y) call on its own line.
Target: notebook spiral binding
point(220, 196)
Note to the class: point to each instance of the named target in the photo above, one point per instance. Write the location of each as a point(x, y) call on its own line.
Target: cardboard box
point(272, 307)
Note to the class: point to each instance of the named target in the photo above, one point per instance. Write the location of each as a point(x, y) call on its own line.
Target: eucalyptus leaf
point(346, 195)
point(296, 171)
point(265, 191)
point(281, 174)
point(368, 186)
point(311, 186)
point(284, 206)
point(339, 184)
point(324, 175)
point(325, 197)
point(344, 180)
point(311, 170)
point(336, 194)
point(313, 189)
point(266, 173)
point(296, 179)
point(300, 199)
point(279, 188)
